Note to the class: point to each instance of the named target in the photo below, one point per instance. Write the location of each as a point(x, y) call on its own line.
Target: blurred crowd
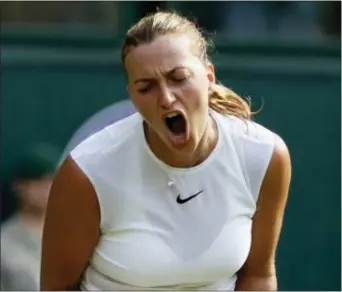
point(242, 19)
point(24, 200)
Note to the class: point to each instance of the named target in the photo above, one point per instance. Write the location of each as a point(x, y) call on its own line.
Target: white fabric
point(149, 241)
point(98, 121)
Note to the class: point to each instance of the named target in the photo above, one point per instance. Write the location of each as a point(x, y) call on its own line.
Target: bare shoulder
point(70, 172)
point(276, 183)
point(71, 185)
point(71, 229)
point(259, 270)
point(72, 193)
point(279, 168)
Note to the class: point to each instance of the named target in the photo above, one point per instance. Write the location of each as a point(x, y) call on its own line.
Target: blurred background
point(60, 67)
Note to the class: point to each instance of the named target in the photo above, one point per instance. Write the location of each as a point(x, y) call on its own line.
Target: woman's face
point(169, 85)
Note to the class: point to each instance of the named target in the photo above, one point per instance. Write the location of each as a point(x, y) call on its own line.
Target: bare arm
point(259, 272)
point(71, 230)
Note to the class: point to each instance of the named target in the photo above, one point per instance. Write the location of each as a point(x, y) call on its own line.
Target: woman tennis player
point(186, 194)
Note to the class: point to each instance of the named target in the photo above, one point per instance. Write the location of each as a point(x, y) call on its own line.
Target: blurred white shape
point(98, 121)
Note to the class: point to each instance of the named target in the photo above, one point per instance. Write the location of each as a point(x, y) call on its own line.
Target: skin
point(67, 247)
point(166, 76)
point(259, 271)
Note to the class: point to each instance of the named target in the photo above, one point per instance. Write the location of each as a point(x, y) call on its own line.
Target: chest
point(196, 229)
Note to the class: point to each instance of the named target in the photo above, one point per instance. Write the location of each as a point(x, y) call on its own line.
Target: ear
point(211, 73)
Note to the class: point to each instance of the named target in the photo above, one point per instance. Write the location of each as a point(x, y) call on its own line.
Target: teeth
point(172, 115)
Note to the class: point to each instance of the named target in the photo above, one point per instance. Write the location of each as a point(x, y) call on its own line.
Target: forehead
point(163, 54)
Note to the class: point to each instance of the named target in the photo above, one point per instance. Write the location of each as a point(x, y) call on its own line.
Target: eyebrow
point(167, 73)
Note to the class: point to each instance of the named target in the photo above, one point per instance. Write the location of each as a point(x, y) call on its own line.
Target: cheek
point(145, 105)
point(195, 94)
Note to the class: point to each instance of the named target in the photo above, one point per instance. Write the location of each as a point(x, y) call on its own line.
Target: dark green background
point(52, 82)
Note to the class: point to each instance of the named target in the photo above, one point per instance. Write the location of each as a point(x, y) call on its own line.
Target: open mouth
point(176, 124)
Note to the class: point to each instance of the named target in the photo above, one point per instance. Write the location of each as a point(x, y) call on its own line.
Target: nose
point(167, 98)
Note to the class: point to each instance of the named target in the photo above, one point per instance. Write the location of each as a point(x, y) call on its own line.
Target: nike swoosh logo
point(183, 201)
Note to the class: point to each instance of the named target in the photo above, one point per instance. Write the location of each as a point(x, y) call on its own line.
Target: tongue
point(177, 139)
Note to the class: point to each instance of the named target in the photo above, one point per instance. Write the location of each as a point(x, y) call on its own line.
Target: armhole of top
point(82, 165)
point(258, 163)
point(254, 145)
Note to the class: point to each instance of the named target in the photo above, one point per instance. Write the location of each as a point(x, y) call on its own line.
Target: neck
point(178, 159)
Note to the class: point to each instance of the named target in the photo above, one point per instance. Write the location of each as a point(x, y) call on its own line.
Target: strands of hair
point(221, 98)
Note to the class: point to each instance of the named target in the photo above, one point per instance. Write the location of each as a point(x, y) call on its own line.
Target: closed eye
point(145, 89)
point(180, 79)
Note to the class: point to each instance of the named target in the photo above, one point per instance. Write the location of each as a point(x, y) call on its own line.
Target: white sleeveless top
point(150, 241)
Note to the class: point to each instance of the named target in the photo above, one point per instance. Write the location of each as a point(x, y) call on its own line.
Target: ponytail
point(225, 101)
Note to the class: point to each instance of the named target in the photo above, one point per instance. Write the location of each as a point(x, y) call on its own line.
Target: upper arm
point(268, 218)
point(71, 229)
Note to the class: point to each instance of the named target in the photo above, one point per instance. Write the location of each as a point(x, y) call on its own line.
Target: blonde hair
point(221, 98)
